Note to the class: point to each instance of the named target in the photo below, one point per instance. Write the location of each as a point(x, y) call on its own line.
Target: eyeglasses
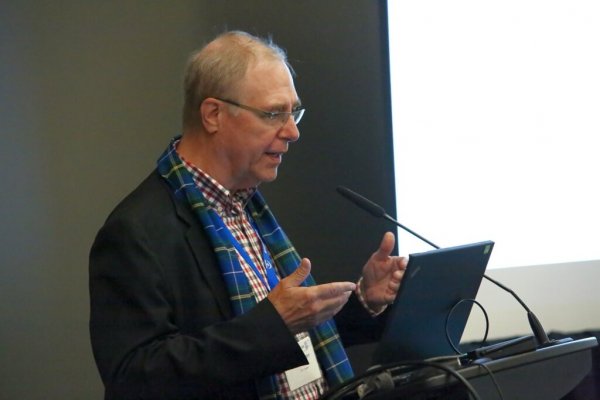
point(271, 116)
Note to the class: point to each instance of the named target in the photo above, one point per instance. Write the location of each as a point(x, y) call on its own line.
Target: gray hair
point(216, 69)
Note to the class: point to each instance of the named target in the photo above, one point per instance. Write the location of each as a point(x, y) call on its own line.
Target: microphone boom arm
point(378, 211)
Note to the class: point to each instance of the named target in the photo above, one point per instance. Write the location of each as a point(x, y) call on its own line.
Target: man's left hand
point(382, 275)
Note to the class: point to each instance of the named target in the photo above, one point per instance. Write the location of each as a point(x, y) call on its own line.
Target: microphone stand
point(377, 211)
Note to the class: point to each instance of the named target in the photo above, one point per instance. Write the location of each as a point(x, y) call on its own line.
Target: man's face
point(253, 146)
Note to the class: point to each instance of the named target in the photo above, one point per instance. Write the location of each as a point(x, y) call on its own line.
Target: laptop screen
point(433, 283)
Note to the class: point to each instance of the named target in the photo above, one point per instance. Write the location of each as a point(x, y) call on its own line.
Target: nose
point(289, 131)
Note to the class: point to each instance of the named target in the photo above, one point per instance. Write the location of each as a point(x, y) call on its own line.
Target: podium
point(547, 373)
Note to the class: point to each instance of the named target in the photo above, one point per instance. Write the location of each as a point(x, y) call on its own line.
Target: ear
point(209, 114)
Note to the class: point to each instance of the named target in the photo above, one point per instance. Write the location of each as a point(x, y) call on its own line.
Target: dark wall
point(90, 95)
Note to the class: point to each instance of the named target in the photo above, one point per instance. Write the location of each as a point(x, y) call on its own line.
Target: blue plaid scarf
point(328, 346)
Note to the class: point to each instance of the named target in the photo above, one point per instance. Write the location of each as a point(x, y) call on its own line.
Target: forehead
point(268, 81)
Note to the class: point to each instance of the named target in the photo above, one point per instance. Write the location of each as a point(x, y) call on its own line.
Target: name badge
point(300, 376)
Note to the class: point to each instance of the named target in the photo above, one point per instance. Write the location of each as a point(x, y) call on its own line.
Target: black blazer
point(161, 324)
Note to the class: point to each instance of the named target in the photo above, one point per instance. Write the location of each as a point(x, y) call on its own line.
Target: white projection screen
point(496, 117)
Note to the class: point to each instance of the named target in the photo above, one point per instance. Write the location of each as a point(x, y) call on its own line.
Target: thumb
point(299, 275)
point(386, 246)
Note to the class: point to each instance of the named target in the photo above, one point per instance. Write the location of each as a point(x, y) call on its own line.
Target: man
point(195, 290)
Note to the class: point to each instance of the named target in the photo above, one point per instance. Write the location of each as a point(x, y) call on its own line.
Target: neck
point(197, 148)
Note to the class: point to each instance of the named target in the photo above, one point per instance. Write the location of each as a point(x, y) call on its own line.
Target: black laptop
point(434, 282)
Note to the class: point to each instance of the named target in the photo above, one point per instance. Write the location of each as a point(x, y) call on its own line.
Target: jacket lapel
point(206, 260)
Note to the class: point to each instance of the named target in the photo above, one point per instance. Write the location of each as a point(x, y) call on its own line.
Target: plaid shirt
point(230, 207)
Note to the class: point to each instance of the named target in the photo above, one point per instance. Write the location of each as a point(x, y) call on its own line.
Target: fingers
point(403, 263)
point(400, 263)
point(333, 289)
point(397, 274)
point(383, 277)
point(322, 302)
point(302, 308)
point(325, 291)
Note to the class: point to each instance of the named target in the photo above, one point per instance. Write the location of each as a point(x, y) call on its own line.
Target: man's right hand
point(301, 307)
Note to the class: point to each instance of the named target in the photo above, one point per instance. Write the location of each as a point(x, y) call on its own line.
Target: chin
point(268, 176)
point(269, 179)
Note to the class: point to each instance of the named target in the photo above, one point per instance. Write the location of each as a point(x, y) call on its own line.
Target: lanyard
point(272, 279)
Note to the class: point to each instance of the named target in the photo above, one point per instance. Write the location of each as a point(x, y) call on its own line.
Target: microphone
point(377, 211)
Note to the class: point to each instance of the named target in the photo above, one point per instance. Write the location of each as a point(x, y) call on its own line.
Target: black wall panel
point(339, 51)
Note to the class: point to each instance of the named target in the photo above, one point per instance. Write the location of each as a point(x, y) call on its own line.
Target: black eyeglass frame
point(281, 116)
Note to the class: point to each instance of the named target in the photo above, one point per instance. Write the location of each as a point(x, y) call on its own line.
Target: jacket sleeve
point(156, 331)
point(357, 326)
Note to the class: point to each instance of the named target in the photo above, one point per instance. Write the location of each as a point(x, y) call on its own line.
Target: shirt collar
point(218, 197)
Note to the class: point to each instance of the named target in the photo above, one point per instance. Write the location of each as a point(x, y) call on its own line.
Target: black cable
point(356, 381)
point(456, 375)
point(487, 322)
point(489, 371)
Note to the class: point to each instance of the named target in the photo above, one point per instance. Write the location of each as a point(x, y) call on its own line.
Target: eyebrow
point(281, 106)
